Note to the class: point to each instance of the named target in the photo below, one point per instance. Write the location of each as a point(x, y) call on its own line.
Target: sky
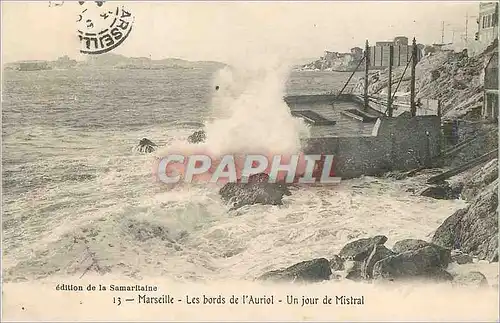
point(235, 31)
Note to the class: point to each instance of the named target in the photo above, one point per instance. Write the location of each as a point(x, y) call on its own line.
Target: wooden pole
point(367, 67)
point(389, 86)
point(350, 77)
point(413, 107)
point(460, 169)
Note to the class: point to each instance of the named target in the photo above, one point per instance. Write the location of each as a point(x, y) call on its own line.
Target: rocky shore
point(468, 236)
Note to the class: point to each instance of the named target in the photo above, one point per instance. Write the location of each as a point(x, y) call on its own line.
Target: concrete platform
point(333, 108)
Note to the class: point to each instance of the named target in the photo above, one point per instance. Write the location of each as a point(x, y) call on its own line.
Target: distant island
point(109, 60)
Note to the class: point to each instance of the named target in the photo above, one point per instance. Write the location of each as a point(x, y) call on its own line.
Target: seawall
point(401, 143)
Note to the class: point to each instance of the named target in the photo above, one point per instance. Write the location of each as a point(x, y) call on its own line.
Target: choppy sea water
point(77, 198)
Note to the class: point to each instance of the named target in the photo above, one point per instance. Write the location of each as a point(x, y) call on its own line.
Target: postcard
point(250, 161)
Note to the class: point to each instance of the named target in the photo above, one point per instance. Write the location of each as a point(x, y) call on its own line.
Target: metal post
point(413, 107)
point(389, 85)
point(367, 67)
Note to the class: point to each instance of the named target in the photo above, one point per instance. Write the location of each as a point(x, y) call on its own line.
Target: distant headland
point(109, 60)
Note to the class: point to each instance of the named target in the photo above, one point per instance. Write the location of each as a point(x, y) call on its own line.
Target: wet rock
point(353, 270)
point(408, 245)
point(378, 253)
point(146, 146)
point(441, 192)
point(197, 137)
point(474, 230)
point(315, 270)
point(446, 233)
point(360, 249)
point(336, 263)
point(424, 263)
point(416, 244)
point(256, 191)
point(460, 258)
point(470, 279)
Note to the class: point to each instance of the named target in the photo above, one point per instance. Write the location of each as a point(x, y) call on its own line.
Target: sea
point(79, 200)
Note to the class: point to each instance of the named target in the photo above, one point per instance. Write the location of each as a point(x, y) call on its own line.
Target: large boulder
point(256, 191)
point(360, 249)
point(423, 263)
point(416, 244)
point(409, 245)
point(315, 270)
point(474, 230)
point(441, 192)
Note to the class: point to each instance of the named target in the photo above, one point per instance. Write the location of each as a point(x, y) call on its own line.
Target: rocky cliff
point(474, 229)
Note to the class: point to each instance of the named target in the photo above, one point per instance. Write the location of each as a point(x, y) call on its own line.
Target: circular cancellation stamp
point(102, 26)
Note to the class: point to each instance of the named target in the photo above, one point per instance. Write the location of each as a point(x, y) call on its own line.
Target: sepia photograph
point(249, 161)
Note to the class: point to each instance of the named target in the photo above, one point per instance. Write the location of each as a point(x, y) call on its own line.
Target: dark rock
point(360, 249)
point(424, 263)
point(441, 192)
point(353, 270)
point(416, 244)
point(337, 263)
point(256, 191)
point(197, 137)
point(146, 146)
point(446, 234)
point(409, 245)
point(473, 230)
point(315, 270)
point(460, 258)
point(379, 252)
point(471, 279)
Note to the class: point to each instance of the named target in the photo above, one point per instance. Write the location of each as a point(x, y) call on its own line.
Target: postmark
point(102, 26)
